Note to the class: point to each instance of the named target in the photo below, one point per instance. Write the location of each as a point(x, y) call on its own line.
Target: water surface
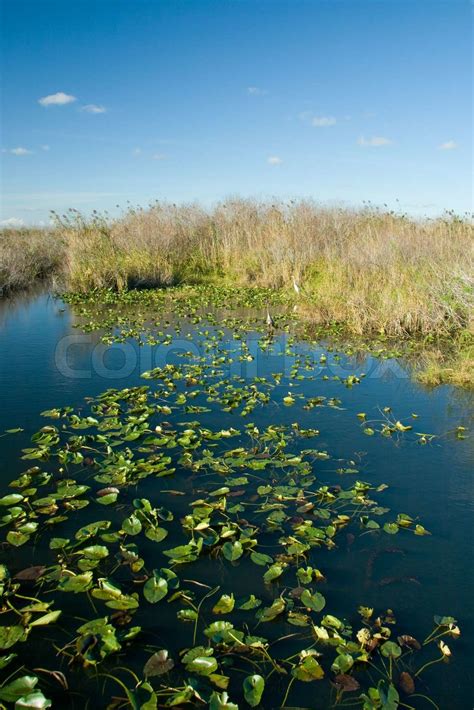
point(46, 362)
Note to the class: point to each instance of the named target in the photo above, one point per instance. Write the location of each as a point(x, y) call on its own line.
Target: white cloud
point(274, 160)
point(137, 151)
point(58, 99)
point(256, 91)
point(374, 142)
point(45, 147)
point(323, 121)
point(159, 156)
point(18, 151)
point(93, 108)
point(449, 145)
point(12, 222)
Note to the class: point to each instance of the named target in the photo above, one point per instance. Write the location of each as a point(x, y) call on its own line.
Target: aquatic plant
point(168, 549)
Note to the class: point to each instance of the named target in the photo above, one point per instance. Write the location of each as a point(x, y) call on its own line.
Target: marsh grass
point(369, 270)
point(28, 256)
point(454, 366)
point(373, 273)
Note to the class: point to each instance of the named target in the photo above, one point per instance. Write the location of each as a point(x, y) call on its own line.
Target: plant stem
point(283, 702)
point(430, 663)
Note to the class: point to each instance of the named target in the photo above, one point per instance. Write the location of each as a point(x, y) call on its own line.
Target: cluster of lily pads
point(155, 559)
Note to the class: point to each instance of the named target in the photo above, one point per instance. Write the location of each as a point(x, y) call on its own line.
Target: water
point(45, 362)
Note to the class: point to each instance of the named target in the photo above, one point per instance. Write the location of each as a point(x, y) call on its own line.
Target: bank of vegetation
point(28, 256)
point(374, 272)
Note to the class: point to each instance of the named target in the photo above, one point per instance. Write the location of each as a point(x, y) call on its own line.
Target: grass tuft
point(28, 256)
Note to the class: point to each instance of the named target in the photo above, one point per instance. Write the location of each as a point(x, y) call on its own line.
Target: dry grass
point(372, 271)
point(28, 255)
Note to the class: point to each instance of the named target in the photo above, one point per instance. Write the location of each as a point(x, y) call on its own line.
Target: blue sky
point(106, 101)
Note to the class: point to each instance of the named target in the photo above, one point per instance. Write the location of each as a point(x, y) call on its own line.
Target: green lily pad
point(155, 588)
point(253, 687)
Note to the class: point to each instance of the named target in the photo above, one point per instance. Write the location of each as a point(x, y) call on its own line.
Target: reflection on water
point(45, 362)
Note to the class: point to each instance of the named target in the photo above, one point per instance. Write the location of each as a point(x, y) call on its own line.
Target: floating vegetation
point(171, 544)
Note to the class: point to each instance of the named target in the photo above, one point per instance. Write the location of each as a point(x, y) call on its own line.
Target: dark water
point(45, 363)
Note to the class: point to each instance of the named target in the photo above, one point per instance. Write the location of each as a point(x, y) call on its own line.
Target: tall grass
point(28, 255)
point(372, 271)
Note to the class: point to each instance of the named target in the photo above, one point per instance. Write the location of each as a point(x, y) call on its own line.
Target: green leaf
point(315, 601)
point(9, 635)
point(444, 620)
point(390, 649)
point(92, 529)
point(187, 615)
point(420, 530)
point(107, 499)
point(261, 559)
point(269, 613)
point(155, 588)
point(221, 702)
point(132, 525)
point(224, 605)
point(309, 669)
point(223, 632)
point(251, 603)
point(57, 543)
point(49, 618)
point(11, 499)
point(273, 572)
point(76, 583)
point(342, 663)
point(21, 686)
point(33, 701)
point(16, 538)
point(232, 550)
point(297, 619)
point(156, 534)
point(253, 685)
point(95, 552)
point(203, 665)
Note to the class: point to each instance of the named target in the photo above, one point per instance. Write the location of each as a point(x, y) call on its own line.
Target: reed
point(369, 270)
point(28, 256)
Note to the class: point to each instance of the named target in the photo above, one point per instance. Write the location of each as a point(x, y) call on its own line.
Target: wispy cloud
point(256, 91)
point(323, 121)
point(159, 156)
point(137, 151)
point(317, 120)
point(18, 151)
point(274, 160)
point(374, 142)
point(449, 145)
point(93, 108)
point(45, 147)
point(12, 222)
point(58, 99)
